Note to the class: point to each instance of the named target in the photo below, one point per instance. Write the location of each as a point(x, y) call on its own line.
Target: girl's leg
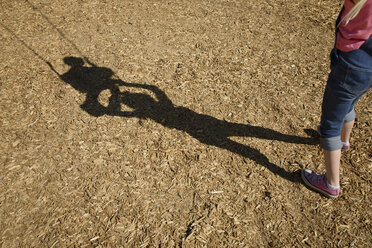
point(335, 107)
point(346, 131)
point(332, 164)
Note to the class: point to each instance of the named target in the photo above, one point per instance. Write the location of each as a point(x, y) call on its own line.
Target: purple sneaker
point(318, 182)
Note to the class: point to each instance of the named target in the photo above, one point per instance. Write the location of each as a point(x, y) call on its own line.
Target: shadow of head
point(73, 61)
point(78, 63)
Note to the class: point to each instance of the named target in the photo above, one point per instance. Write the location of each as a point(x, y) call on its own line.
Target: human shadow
point(209, 130)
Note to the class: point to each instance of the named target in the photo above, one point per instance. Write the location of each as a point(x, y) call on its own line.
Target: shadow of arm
point(160, 95)
point(89, 63)
point(126, 114)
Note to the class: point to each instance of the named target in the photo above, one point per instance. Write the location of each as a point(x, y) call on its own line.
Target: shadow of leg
point(258, 157)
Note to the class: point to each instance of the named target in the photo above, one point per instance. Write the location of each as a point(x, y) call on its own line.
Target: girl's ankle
point(345, 143)
point(332, 187)
point(331, 184)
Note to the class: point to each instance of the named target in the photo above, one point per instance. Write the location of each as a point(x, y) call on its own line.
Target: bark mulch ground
point(172, 124)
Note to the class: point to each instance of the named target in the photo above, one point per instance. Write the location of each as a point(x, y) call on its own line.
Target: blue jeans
point(347, 82)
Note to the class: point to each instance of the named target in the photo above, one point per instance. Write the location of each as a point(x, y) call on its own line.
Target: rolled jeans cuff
point(350, 116)
point(331, 144)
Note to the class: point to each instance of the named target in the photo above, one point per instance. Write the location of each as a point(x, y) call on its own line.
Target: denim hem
point(331, 144)
point(350, 116)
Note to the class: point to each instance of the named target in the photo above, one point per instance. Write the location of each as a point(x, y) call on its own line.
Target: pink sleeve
point(357, 31)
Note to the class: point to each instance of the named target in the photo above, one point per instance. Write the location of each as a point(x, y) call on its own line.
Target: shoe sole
point(315, 188)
